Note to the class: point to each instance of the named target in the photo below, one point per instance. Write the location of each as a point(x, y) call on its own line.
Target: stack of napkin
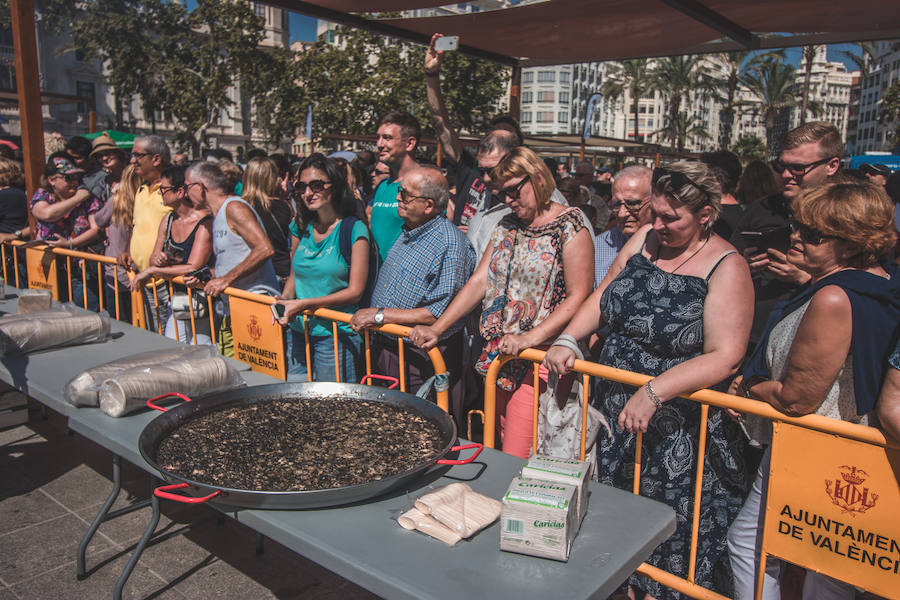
point(452, 513)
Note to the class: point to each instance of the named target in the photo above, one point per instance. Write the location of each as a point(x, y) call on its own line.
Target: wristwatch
point(379, 317)
point(18, 234)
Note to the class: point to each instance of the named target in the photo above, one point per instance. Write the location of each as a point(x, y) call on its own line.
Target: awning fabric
point(569, 31)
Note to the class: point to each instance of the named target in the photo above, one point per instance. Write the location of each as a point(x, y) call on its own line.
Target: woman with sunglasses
point(825, 349)
point(538, 269)
point(678, 301)
point(62, 208)
point(321, 275)
point(183, 245)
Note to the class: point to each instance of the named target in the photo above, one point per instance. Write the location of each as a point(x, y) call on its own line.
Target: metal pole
point(515, 92)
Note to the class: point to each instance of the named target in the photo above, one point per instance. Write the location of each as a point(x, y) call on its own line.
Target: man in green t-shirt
point(397, 136)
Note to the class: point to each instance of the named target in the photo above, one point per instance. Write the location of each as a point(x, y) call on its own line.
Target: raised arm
point(49, 213)
point(436, 106)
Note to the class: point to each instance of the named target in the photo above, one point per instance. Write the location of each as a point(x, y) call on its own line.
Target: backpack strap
point(345, 243)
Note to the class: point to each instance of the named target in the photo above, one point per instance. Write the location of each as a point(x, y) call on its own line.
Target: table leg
point(138, 550)
point(260, 539)
point(104, 515)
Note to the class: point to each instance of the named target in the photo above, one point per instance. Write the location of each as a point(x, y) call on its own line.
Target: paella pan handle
point(152, 401)
point(163, 492)
point(465, 461)
point(394, 381)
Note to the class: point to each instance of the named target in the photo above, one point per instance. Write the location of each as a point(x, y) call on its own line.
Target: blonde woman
point(117, 217)
point(260, 190)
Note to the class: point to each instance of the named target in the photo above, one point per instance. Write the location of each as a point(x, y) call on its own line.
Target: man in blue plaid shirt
point(424, 269)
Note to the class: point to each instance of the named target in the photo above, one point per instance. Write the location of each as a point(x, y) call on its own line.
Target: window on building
point(545, 96)
point(650, 123)
point(526, 117)
point(260, 9)
point(528, 77)
point(526, 97)
point(546, 76)
point(85, 89)
point(564, 77)
point(564, 97)
point(562, 117)
point(642, 109)
point(544, 116)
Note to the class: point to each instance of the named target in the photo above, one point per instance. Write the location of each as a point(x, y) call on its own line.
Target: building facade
point(871, 133)
point(830, 87)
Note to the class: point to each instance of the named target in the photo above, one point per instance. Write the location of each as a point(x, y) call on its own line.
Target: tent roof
point(570, 31)
point(121, 138)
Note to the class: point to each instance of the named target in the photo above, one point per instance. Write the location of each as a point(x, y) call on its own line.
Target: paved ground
point(51, 486)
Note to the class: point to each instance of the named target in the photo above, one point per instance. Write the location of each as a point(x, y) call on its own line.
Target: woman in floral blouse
point(538, 271)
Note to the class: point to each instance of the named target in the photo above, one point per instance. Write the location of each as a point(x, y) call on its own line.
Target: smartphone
point(447, 42)
point(777, 238)
point(203, 274)
point(277, 311)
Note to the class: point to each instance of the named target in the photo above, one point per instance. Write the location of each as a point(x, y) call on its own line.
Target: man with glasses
point(631, 207)
point(397, 137)
point(426, 267)
point(810, 155)
point(150, 157)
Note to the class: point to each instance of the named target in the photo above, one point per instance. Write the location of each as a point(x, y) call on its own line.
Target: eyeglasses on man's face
point(163, 189)
point(406, 197)
point(140, 155)
point(798, 169)
point(632, 206)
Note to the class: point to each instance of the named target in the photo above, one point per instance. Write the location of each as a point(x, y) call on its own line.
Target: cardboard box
point(562, 470)
point(538, 518)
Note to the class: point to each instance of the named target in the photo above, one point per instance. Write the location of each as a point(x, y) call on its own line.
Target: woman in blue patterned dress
point(678, 300)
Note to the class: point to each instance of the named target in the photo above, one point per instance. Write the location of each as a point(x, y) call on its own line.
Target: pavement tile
point(81, 487)
point(28, 507)
point(34, 550)
point(5, 594)
point(62, 582)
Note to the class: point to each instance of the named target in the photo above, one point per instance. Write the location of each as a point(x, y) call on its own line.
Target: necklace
point(693, 254)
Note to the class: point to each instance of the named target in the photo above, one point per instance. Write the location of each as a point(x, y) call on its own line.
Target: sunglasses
point(798, 169)
point(71, 177)
point(170, 188)
point(406, 197)
point(810, 235)
point(673, 181)
point(632, 206)
point(513, 192)
point(316, 186)
point(482, 171)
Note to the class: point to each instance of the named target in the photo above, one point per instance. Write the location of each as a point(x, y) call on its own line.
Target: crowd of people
point(775, 281)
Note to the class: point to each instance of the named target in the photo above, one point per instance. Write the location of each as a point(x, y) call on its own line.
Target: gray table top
point(363, 542)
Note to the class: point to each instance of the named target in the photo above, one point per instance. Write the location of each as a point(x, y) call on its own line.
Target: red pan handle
point(152, 401)
point(465, 461)
point(394, 380)
point(163, 492)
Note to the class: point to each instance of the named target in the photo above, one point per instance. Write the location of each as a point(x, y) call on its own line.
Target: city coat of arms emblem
point(848, 492)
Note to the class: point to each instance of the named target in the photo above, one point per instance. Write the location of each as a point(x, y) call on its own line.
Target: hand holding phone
point(446, 43)
point(278, 311)
point(203, 274)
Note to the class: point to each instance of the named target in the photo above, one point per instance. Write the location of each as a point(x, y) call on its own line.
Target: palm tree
point(773, 84)
point(736, 64)
point(683, 127)
point(749, 147)
point(629, 76)
point(809, 54)
point(863, 60)
point(676, 77)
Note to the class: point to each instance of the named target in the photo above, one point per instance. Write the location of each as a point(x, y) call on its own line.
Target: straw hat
point(103, 143)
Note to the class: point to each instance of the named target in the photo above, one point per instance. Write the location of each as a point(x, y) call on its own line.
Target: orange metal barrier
point(832, 429)
point(138, 307)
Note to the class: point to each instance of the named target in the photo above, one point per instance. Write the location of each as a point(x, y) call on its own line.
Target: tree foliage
point(749, 147)
point(890, 110)
point(679, 79)
point(365, 75)
point(631, 76)
point(774, 86)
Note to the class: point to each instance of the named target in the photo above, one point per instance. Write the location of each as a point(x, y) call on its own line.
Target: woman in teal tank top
point(321, 276)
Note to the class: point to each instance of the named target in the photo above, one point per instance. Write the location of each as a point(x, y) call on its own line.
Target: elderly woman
point(62, 208)
point(538, 270)
point(678, 301)
point(825, 349)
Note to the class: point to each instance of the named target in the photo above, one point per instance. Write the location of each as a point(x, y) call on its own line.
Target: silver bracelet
point(653, 395)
